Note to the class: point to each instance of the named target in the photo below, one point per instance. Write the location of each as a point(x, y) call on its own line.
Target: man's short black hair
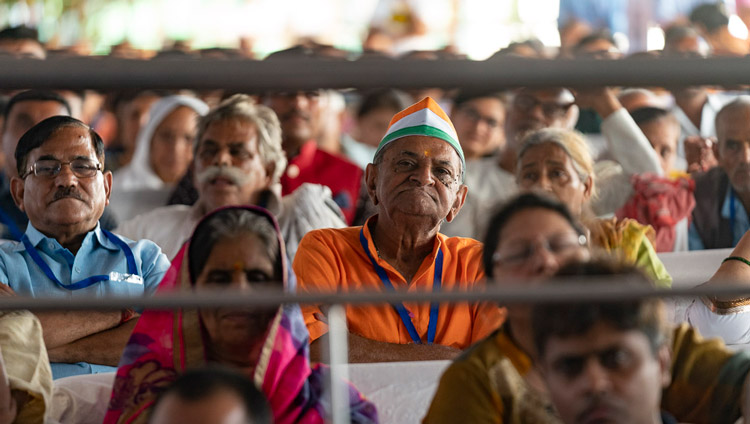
point(20, 32)
point(510, 209)
point(41, 132)
point(711, 16)
point(379, 99)
point(644, 115)
point(199, 384)
point(602, 34)
point(36, 96)
point(576, 319)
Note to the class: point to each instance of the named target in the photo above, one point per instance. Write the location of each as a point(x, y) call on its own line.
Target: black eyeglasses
point(50, 168)
point(475, 116)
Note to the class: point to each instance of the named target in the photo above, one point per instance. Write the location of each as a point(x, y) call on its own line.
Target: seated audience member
point(667, 202)
point(25, 110)
point(131, 110)
point(22, 41)
point(238, 160)
point(65, 252)
point(371, 119)
point(559, 162)
point(712, 21)
point(604, 362)
point(415, 182)
point(163, 152)
point(497, 381)
point(211, 395)
point(682, 38)
point(232, 248)
point(299, 114)
point(479, 118)
point(722, 194)
point(25, 376)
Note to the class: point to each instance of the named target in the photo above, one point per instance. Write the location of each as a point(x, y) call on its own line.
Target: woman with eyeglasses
point(496, 380)
point(558, 162)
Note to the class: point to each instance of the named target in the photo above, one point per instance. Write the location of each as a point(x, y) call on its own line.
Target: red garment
point(316, 166)
point(661, 203)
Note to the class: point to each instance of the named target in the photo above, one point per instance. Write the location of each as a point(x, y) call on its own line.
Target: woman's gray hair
point(227, 224)
point(243, 107)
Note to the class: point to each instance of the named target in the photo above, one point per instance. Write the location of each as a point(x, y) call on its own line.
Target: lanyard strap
point(86, 282)
point(399, 307)
point(15, 232)
point(732, 213)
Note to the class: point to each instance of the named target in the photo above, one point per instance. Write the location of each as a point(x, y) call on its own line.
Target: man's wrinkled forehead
point(557, 95)
point(436, 149)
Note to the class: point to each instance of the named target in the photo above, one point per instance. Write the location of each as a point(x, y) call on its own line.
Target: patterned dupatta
point(165, 344)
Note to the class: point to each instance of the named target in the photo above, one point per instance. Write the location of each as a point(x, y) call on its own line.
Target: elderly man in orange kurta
point(415, 182)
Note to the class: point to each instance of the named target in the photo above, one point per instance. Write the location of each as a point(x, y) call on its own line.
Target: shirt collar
point(36, 237)
point(374, 252)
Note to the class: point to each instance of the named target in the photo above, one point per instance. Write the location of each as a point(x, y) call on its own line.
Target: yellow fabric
point(486, 384)
point(26, 363)
point(633, 242)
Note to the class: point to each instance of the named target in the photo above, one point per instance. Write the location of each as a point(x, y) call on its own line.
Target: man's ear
point(588, 188)
point(17, 187)
point(715, 148)
point(371, 179)
point(664, 356)
point(107, 185)
point(461, 194)
point(270, 169)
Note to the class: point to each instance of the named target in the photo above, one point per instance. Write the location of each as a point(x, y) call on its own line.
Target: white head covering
point(136, 188)
point(138, 174)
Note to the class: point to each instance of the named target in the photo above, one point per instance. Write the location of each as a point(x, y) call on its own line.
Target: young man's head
point(22, 41)
point(214, 395)
point(605, 362)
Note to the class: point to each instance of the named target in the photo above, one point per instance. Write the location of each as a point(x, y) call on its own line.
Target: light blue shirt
point(739, 228)
point(97, 255)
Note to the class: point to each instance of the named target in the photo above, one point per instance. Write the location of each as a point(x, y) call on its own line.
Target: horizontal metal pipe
point(505, 294)
point(300, 74)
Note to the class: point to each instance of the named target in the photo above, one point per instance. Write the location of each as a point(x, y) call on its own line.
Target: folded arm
point(363, 350)
point(61, 328)
point(103, 348)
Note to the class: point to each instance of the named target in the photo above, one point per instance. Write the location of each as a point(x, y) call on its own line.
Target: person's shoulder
point(481, 356)
point(331, 235)
point(325, 158)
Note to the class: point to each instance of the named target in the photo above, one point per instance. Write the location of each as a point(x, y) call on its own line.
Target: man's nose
point(222, 158)
point(66, 177)
point(299, 100)
point(423, 174)
point(595, 377)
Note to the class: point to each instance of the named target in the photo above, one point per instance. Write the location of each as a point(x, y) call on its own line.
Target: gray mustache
point(232, 173)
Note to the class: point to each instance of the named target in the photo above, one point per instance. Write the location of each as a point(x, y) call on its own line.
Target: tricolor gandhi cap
point(423, 118)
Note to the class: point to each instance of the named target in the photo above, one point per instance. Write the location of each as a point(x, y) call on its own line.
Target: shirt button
point(78, 269)
point(292, 171)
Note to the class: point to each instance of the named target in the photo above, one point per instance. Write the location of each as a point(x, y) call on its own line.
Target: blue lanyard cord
point(86, 282)
point(399, 307)
point(15, 232)
point(732, 213)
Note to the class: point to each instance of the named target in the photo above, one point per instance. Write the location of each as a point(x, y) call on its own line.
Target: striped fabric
point(423, 118)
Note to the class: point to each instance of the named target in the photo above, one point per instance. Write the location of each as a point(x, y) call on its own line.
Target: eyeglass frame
point(560, 109)
point(33, 168)
point(581, 241)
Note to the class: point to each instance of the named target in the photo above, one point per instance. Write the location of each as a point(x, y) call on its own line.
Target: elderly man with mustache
point(722, 194)
point(62, 187)
point(238, 161)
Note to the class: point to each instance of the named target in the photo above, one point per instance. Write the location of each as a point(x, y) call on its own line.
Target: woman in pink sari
point(237, 247)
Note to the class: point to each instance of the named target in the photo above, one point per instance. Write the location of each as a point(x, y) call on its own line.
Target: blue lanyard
point(399, 307)
point(86, 282)
point(15, 232)
point(732, 213)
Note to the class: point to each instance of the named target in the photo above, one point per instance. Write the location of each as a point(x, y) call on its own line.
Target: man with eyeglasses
point(479, 119)
point(24, 110)
point(65, 253)
point(299, 113)
point(238, 161)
